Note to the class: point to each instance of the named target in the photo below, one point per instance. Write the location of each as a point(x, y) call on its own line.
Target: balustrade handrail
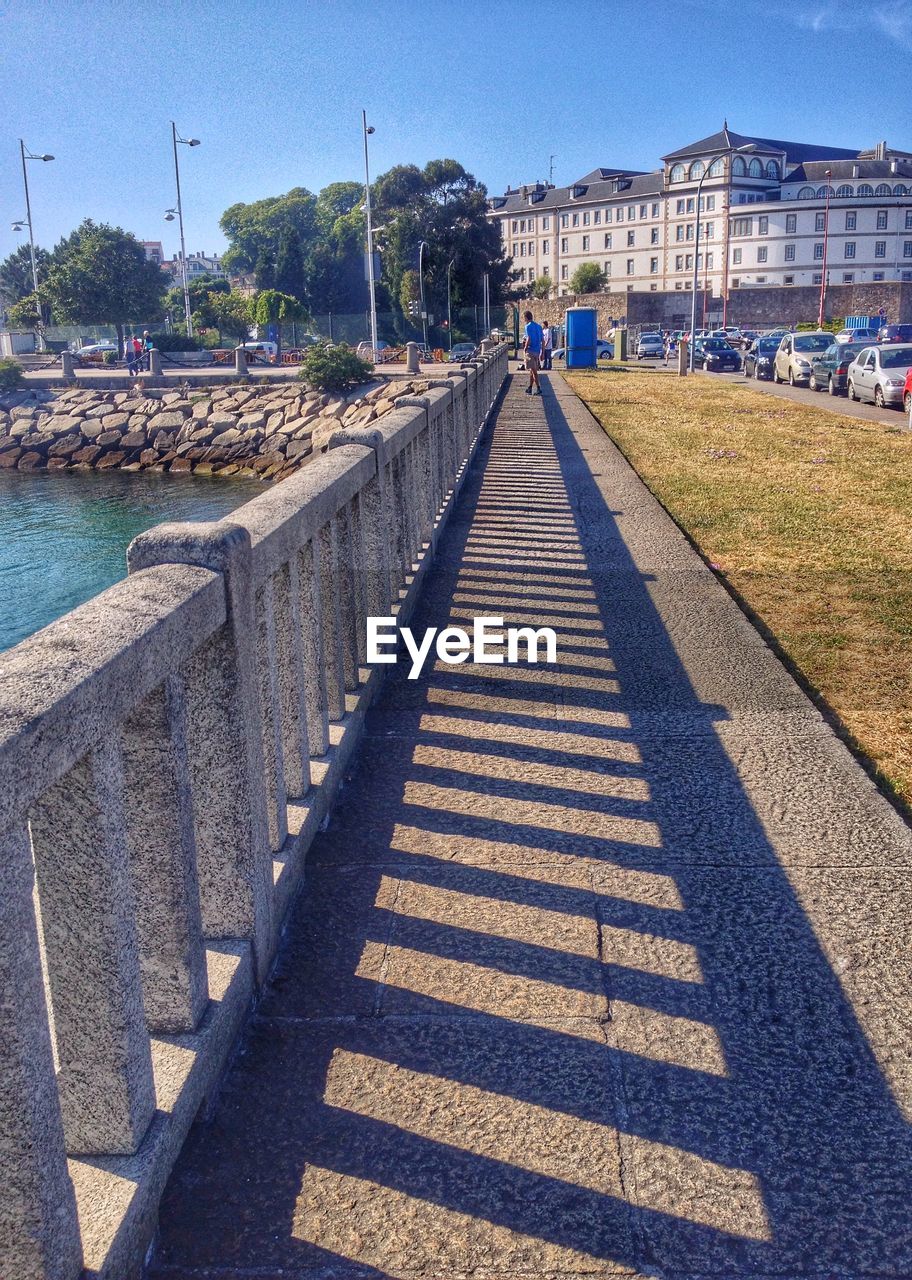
point(167, 752)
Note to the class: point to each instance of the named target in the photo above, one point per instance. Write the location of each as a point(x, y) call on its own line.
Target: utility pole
point(826, 236)
point(369, 128)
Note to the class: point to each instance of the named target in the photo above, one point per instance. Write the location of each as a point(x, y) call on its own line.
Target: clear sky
point(275, 91)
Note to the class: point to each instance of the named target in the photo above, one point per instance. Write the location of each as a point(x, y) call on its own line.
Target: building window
point(546, 246)
point(531, 248)
point(709, 231)
point(817, 278)
point(606, 268)
point(597, 216)
point(631, 239)
point(848, 277)
point(515, 226)
point(742, 226)
point(644, 210)
point(631, 213)
point(679, 231)
point(865, 189)
point(607, 239)
point(880, 248)
point(761, 253)
point(654, 236)
point(851, 219)
point(608, 215)
point(679, 206)
point(881, 219)
point(586, 219)
point(736, 282)
point(585, 244)
point(575, 220)
point(522, 248)
point(849, 249)
point(678, 284)
point(845, 192)
point(806, 193)
point(545, 271)
point(883, 189)
point(565, 245)
point(760, 280)
point(906, 275)
point(678, 173)
point(909, 219)
point(522, 273)
point(679, 262)
point(655, 210)
point(878, 275)
point(742, 198)
point(907, 248)
point(710, 201)
point(515, 253)
point(653, 266)
point(690, 231)
point(818, 252)
point(772, 170)
point(689, 261)
point(564, 272)
point(736, 257)
point(709, 262)
point(690, 204)
point(763, 223)
point(697, 169)
point(565, 220)
point(819, 220)
point(522, 224)
point(791, 223)
point(630, 265)
point(546, 223)
point(790, 253)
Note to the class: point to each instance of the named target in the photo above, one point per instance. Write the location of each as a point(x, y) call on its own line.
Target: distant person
point(532, 346)
point(666, 344)
point(547, 345)
point(129, 354)
point(147, 345)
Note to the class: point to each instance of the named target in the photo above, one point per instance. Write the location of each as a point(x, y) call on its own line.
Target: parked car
point(856, 335)
point(462, 351)
point(748, 337)
point(716, 355)
point(907, 395)
point(603, 351)
point(97, 349)
point(758, 362)
point(262, 351)
point(829, 368)
point(895, 333)
point(793, 359)
point(650, 344)
point(879, 373)
point(365, 351)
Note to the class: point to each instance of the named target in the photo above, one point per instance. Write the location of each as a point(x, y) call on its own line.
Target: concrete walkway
point(601, 969)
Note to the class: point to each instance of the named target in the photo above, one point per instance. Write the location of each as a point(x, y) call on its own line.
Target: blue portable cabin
point(581, 325)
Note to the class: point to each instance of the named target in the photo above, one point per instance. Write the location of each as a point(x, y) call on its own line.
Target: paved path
point(601, 969)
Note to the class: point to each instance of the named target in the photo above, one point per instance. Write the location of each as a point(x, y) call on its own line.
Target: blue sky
point(275, 91)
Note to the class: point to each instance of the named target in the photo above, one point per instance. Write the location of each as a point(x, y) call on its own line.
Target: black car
point(715, 355)
point(895, 333)
point(758, 363)
point(828, 368)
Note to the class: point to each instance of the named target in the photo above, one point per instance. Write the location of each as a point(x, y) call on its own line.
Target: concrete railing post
point(39, 1233)
point(240, 361)
point(412, 364)
point(66, 366)
point(374, 503)
point(155, 362)
point(85, 887)
point(225, 738)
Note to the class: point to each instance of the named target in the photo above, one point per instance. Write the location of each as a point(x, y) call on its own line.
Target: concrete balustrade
point(167, 752)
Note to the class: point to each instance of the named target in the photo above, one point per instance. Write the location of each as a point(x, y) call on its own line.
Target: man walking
point(532, 345)
point(547, 344)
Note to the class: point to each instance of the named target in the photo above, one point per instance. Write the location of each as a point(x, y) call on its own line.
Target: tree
point(337, 201)
point(16, 273)
point(26, 313)
point(587, 278)
point(272, 307)
point(289, 267)
point(409, 290)
point(541, 287)
point(100, 274)
point(198, 288)
point(254, 230)
point(230, 313)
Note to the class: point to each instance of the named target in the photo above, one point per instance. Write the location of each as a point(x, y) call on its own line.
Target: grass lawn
point(807, 515)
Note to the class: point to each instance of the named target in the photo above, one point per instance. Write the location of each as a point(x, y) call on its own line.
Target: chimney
point(894, 166)
point(856, 171)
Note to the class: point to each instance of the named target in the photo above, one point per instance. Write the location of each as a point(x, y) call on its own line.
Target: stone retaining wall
point(248, 431)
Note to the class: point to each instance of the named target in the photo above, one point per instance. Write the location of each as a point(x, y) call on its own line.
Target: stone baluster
point(39, 1233)
point(271, 714)
point(311, 624)
point(159, 815)
point(347, 591)
point(86, 896)
point(374, 504)
point(332, 655)
point(225, 738)
point(291, 676)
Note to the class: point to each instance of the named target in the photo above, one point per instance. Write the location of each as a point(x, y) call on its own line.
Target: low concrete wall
point(167, 752)
point(255, 431)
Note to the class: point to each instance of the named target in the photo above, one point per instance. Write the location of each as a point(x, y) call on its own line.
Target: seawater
point(64, 535)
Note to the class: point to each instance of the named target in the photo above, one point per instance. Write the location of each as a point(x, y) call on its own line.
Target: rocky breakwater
point(238, 430)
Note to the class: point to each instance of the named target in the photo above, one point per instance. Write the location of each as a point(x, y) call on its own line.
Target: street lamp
point(368, 129)
point(730, 151)
point(421, 248)
point(178, 209)
point(27, 155)
point(826, 235)
point(450, 265)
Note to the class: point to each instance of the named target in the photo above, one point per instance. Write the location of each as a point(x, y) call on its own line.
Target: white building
point(198, 264)
point(764, 211)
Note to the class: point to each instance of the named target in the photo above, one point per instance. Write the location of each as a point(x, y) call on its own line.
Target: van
point(262, 350)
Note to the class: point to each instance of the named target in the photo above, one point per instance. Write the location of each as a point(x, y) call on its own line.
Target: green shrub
point(333, 368)
point(11, 375)
point(175, 342)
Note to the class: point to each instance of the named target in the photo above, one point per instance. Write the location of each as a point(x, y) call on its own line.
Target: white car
point(98, 349)
point(879, 374)
point(603, 351)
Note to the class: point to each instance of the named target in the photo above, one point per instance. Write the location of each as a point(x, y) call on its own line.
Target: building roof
point(814, 171)
point(796, 152)
point(621, 183)
point(601, 175)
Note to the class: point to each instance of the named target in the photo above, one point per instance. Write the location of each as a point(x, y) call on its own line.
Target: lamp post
point(178, 209)
point(28, 155)
point(826, 236)
point(450, 265)
point(730, 151)
point(424, 328)
point(369, 128)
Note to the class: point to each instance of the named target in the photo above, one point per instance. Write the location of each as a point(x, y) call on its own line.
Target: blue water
point(64, 535)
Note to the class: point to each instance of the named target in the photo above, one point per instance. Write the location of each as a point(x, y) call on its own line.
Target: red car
point(907, 392)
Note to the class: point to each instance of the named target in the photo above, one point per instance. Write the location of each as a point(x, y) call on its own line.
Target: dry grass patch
point(807, 515)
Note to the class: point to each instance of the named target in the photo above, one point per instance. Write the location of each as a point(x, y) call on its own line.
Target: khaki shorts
point(533, 362)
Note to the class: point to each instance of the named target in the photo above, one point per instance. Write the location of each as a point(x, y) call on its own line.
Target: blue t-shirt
point(534, 334)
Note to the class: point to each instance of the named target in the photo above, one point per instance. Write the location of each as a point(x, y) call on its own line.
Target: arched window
point(865, 189)
point(677, 173)
point(823, 192)
point(717, 168)
point(772, 169)
point(845, 191)
point(900, 190)
point(697, 169)
point(806, 193)
point(883, 189)
point(739, 168)
point(755, 168)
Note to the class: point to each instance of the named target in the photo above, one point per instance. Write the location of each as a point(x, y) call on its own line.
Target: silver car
point(879, 374)
point(650, 344)
point(796, 352)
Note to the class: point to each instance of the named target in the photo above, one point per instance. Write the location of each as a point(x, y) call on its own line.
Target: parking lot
point(820, 400)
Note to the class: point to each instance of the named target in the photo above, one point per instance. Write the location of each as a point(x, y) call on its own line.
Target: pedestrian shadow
point(550, 1001)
